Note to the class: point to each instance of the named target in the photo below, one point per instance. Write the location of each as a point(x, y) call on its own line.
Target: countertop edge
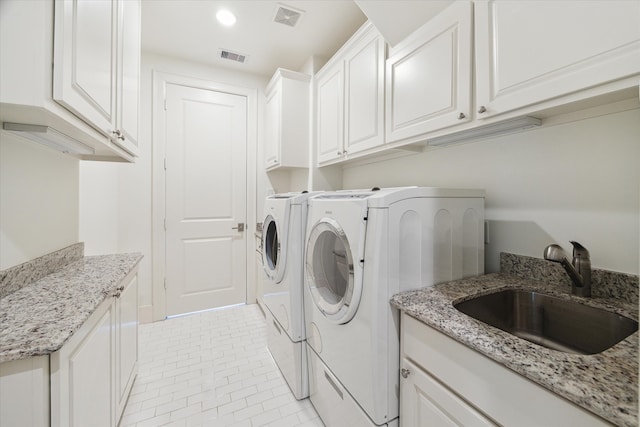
point(40, 318)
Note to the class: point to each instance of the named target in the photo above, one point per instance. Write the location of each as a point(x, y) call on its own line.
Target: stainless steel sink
point(551, 322)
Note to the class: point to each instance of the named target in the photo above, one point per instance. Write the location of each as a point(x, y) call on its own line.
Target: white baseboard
point(145, 314)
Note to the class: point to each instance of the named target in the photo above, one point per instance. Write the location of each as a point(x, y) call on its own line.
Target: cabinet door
point(532, 51)
point(128, 78)
point(330, 95)
point(429, 76)
point(272, 129)
point(84, 75)
point(82, 374)
point(126, 342)
point(424, 402)
point(364, 94)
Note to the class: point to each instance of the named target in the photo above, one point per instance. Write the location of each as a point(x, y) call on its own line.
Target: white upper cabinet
point(330, 115)
point(96, 52)
point(287, 121)
point(364, 94)
point(350, 98)
point(88, 100)
point(429, 76)
point(532, 51)
point(128, 74)
point(84, 76)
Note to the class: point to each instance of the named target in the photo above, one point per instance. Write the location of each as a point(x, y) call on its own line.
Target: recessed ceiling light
point(225, 17)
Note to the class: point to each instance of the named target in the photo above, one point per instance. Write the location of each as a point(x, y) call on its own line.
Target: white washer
point(283, 235)
point(362, 248)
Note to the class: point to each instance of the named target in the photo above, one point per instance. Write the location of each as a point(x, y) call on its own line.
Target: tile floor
point(212, 369)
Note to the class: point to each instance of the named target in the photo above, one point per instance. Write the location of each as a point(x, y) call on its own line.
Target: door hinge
point(165, 283)
point(165, 104)
point(165, 224)
point(165, 163)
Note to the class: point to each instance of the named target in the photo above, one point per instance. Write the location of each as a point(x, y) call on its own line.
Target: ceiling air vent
point(287, 15)
point(233, 56)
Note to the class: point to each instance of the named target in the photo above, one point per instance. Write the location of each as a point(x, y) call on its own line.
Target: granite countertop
point(40, 317)
point(605, 383)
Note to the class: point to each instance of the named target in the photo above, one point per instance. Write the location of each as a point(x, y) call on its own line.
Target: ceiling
point(188, 29)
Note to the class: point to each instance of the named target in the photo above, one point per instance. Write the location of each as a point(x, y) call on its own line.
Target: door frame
point(160, 81)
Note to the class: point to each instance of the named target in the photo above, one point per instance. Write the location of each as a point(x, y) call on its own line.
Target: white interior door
point(206, 142)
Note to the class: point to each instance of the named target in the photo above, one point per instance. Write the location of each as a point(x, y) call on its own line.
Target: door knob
point(240, 227)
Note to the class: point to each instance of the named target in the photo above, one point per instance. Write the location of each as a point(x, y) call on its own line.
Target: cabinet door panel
point(84, 60)
point(90, 391)
point(364, 98)
point(272, 130)
point(330, 115)
point(426, 402)
point(429, 76)
point(128, 73)
point(127, 341)
point(532, 51)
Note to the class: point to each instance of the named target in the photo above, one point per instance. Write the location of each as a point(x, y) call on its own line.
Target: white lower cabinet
point(126, 323)
point(24, 392)
point(427, 402)
point(444, 382)
point(92, 374)
point(81, 374)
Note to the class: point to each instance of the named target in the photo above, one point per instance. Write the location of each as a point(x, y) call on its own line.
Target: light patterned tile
point(212, 369)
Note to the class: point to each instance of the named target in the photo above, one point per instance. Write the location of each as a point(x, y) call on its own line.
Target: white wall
point(575, 181)
point(38, 200)
point(99, 201)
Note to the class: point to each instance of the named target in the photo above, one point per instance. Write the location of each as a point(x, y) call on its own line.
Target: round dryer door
point(329, 270)
point(271, 249)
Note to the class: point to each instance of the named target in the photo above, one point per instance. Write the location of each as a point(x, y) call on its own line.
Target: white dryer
point(283, 236)
point(362, 248)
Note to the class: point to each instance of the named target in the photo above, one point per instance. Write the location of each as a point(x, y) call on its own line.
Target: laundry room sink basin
point(551, 322)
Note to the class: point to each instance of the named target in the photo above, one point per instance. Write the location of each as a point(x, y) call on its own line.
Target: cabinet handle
point(461, 116)
point(116, 295)
point(344, 152)
point(482, 109)
point(120, 288)
point(118, 134)
point(404, 372)
point(339, 153)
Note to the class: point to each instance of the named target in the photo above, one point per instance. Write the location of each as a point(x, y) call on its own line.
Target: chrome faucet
point(579, 270)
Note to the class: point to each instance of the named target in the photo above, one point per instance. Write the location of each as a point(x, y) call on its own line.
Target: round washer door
point(271, 259)
point(329, 270)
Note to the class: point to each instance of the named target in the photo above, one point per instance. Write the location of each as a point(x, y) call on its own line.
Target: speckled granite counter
point(605, 383)
point(39, 318)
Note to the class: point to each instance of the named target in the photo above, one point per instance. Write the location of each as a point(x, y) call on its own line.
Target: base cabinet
point(426, 402)
point(24, 392)
point(444, 382)
point(92, 374)
point(82, 382)
point(126, 349)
